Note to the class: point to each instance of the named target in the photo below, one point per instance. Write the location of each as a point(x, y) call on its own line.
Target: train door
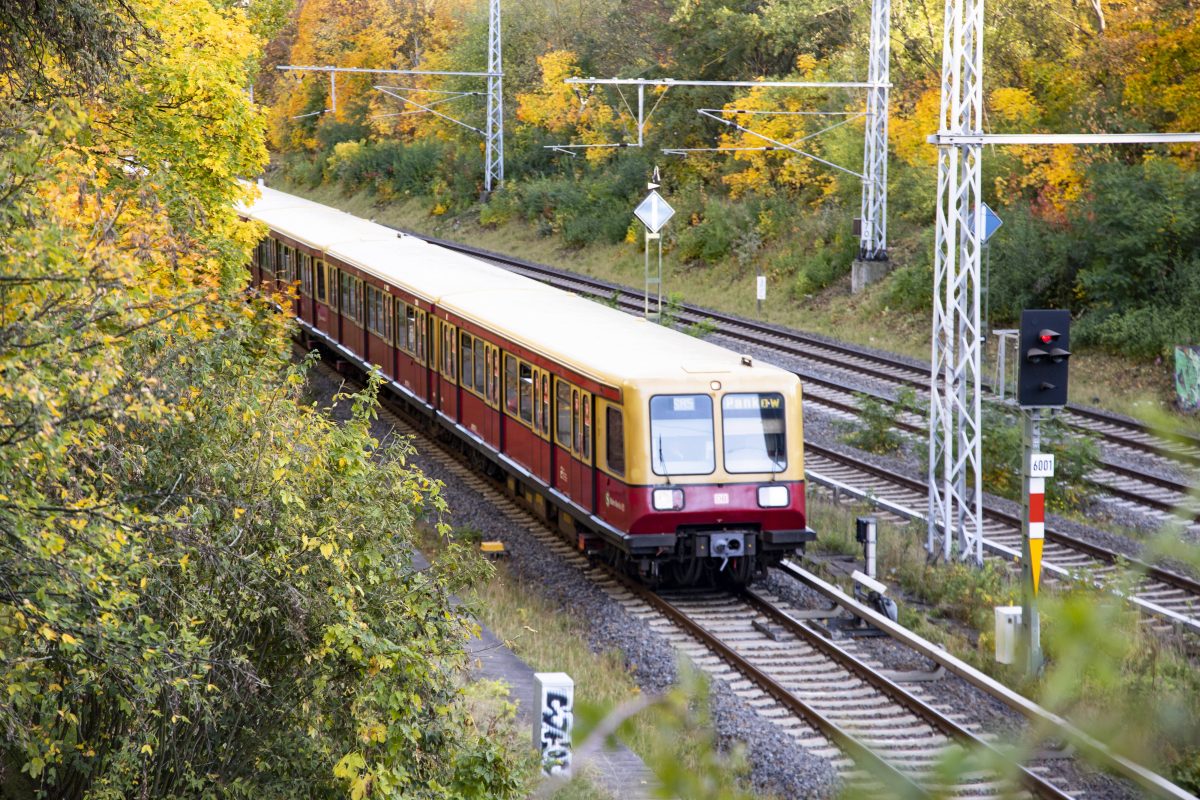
point(563, 441)
point(572, 444)
point(540, 455)
point(446, 374)
point(492, 427)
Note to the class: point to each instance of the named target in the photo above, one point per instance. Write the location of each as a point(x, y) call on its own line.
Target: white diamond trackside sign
point(654, 212)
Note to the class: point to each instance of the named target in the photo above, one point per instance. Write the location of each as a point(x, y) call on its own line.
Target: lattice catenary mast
point(955, 464)
point(493, 156)
point(873, 241)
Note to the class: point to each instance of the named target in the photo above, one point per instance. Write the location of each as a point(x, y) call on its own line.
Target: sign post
point(1036, 468)
point(1044, 337)
point(554, 721)
point(654, 212)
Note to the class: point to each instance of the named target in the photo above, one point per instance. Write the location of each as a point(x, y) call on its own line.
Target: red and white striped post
point(1035, 469)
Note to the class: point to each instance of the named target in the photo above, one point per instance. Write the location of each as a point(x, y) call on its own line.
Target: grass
point(1097, 379)
point(548, 639)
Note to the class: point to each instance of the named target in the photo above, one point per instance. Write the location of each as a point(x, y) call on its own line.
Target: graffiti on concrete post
point(1187, 378)
point(552, 726)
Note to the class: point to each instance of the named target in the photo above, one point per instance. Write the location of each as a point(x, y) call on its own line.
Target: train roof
point(313, 224)
point(430, 271)
point(610, 345)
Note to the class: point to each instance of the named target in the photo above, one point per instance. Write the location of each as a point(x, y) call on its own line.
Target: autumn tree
point(207, 586)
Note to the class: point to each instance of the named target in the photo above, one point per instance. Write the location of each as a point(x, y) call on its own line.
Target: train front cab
point(721, 468)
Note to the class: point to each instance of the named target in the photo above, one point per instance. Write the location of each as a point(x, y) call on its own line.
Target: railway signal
point(1043, 340)
point(1042, 375)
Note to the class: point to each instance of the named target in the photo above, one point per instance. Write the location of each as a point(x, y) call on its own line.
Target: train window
point(422, 337)
point(576, 428)
point(351, 297)
point(586, 402)
point(280, 262)
point(467, 360)
point(526, 392)
point(754, 432)
point(377, 312)
point(495, 397)
point(331, 285)
point(306, 275)
point(480, 367)
point(410, 329)
point(614, 440)
point(510, 384)
point(681, 434)
point(449, 352)
point(536, 384)
point(545, 404)
point(487, 372)
point(562, 416)
point(402, 325)
point(319, 276)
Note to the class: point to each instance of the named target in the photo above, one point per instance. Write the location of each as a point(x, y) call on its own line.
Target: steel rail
point(1147, 607)
point(858, 751)
point(1190, 585)
point(1143, 777)
point(1106, 465)
point(1190, 455)
point(1032, 781)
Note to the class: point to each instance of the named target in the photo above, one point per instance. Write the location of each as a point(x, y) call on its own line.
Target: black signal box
point(1045, 353)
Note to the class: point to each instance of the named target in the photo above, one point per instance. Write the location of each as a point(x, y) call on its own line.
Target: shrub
point(713, 238)
point(1003, 448)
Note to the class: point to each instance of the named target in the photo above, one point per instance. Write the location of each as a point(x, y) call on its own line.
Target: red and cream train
point(676, 457)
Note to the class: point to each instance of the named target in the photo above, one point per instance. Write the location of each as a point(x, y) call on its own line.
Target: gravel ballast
point(777, 764)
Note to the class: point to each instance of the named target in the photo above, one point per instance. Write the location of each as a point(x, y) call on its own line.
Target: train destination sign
point(654, 212)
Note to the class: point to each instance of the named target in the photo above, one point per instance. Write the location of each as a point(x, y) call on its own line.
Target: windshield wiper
point(663, 461)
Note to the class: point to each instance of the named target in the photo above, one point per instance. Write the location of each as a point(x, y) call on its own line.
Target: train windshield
point(755, 437)
point(681, 434)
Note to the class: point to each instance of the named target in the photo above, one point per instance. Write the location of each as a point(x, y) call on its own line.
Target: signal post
point(1041, 384)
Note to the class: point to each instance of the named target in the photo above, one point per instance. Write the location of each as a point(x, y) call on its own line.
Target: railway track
point(885, 737)
point(1170, 600)
point(1161, 499)
point(1124, 435)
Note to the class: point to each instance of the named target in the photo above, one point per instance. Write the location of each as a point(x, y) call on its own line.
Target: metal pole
point(641, 108)
point(658, 312)
point(956, 499)
point(1031, 626)
point(333, 94)
point(870, 548)
point(493, 173)
point(1001, 373)
point(873, 241)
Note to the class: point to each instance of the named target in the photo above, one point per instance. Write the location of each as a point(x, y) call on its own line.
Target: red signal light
point(1048, 336)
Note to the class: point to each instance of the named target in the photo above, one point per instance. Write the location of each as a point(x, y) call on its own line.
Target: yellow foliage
point(909, 133)
point(767, 170)
point(1016, 105)
point(572, 109)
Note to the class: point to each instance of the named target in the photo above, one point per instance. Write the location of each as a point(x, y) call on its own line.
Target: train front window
point(681, 434)
point(755, 434)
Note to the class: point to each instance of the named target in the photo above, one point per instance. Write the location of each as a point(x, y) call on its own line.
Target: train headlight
point(773, 496)
point(668, 499)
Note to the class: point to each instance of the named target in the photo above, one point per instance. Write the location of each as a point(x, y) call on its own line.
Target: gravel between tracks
point(777, 764)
